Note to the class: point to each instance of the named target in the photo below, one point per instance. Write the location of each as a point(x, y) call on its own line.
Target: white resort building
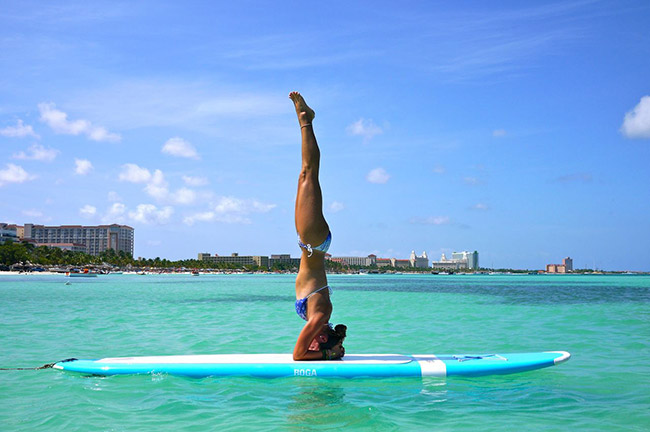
point(421, 261)
point(459, 260)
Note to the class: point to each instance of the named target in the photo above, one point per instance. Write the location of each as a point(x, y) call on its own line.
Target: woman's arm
point(312, 329)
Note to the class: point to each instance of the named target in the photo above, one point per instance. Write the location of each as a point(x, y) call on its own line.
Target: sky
point(517, 129)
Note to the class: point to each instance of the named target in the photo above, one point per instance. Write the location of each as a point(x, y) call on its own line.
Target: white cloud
point(88, 210)
point(14, 174)
point(115, 214)
point(134, 174)
point(36, 215)
point(439, 169)
point(378, 175)
point(183, 196)
point(636, 123)
point(498, 133)
point(58, 121)
point(179, 147)
point(481, 206)
point(336, 207)
point(365, 128)
point(195, 181)
point(21, 130)
point(231, 210)
point(433, 220)
point(245, 206)
point(32, 213)
point(98, 133)
point(438, 220)
point(38, 152)
point(143, 213)
point(114, 196)
point(150, 214)
point(200, 217)
point(157, 186)
point(82, 166)
point(471, 181)
point(211, 107)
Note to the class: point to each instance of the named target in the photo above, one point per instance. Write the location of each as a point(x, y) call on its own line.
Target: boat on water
point(195, 272)
point(85, 273)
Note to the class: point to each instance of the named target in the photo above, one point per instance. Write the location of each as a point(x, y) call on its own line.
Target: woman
point(317, 340)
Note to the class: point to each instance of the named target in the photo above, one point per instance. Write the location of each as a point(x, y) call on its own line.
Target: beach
point(601, 320)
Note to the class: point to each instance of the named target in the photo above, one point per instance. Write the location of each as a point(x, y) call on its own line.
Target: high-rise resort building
point(565, 267)
point(421, 261)
point(459, 260)
point(90, 239)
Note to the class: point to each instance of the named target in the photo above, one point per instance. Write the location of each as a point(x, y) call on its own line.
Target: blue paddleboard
point(350, 366)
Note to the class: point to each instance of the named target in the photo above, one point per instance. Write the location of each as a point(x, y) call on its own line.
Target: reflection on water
point(360, 403)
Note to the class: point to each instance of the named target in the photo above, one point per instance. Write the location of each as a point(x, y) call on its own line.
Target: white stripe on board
point(253, 359)
point(431, 365)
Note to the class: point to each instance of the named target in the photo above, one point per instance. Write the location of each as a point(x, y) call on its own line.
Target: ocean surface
point(603, 321)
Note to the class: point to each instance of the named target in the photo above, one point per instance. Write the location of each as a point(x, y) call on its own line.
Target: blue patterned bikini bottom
point(323, 247)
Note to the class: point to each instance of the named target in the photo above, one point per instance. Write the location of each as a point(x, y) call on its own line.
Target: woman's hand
point(336, 352)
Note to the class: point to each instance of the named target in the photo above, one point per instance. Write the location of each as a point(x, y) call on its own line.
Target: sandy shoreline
point(44, 273)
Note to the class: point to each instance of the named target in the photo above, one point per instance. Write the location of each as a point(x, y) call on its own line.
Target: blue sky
point(518, 129)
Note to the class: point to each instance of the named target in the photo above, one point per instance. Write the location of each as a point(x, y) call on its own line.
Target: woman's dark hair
point(334, 336)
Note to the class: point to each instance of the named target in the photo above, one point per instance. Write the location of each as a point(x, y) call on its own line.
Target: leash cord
point(45, 366)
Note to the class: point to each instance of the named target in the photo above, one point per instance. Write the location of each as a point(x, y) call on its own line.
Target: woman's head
point(331, 336)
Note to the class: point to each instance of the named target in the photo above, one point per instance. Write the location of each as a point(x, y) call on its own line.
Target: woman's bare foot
point(305, 114)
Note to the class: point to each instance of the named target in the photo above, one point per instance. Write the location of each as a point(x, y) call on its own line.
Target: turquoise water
point(604, 321)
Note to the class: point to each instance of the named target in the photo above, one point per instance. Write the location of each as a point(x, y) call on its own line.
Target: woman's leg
point(310, 222)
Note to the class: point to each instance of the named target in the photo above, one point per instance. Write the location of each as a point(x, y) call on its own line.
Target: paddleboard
point(350, 366)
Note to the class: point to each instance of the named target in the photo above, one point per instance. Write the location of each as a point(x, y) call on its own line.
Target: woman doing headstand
point(317, 340)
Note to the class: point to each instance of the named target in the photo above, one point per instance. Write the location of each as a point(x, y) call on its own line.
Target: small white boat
point(85, 274)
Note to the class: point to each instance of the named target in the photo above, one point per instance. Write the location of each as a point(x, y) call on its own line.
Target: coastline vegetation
point(27, 256)
point(24, 256)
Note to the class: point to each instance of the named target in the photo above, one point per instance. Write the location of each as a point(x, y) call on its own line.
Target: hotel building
point(421, 261)
point(565, 267)
point(283, 259)
point(235, 258)
point(416, 261)
point(368, 261)
point(459, 260)
point(93, 240)
point(8, 233)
